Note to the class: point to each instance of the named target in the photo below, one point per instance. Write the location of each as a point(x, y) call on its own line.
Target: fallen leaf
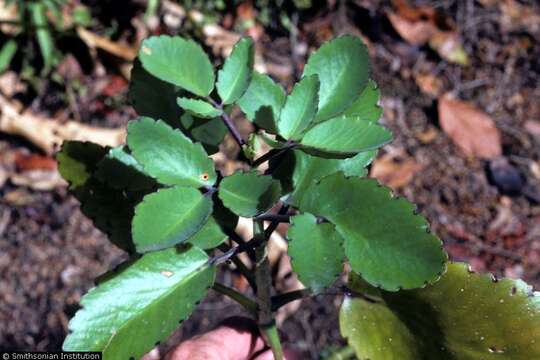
point(472, 130)
point(423, 24)
point(395, 172)
point(41, 180)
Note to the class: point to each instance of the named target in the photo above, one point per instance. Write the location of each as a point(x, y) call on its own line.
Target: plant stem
point(283, 299)
point(263, 278)
point(240, 298)
point(273, 217)
point(228, 123)
point(241, 267)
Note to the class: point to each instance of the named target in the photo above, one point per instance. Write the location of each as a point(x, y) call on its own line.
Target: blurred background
point(460, 90)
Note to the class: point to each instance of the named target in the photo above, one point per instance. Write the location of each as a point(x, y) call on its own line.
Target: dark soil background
point(486, 210)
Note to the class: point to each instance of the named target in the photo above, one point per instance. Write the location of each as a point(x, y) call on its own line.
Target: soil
point(50, 253)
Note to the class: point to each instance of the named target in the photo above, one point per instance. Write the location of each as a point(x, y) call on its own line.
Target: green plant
point(36, 19)
point(160, 198)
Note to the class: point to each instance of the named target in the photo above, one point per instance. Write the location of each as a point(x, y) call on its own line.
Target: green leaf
point(234, 77)
point(382, 234)
point(342, 66)
point(120, 170)
point(198, 107)
point(462, 316)
point(346, 136)
point(153, 97)
point(168, 155)
point(127, 314)
point(366, 106)
point(249, 194)
point(209, 236)
point(178, 61)
point(43, 33)
point(6, 54)
point(262, 101)
point(169, 217)
point(300, 108)
point(110, 210)
point(298, 170)
point(209, 132)
point(315, 250)
point(77, 161)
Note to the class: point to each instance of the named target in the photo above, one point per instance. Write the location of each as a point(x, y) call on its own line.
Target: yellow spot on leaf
point(205, 176)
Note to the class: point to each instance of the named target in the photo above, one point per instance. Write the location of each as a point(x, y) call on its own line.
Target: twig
point(283, 299)
point(273, 217)
point(228, 122)
point(240, 298)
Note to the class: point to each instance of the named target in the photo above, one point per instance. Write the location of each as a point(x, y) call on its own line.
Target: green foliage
point(319, 267)
point(299, 109)
point(262, 102)
point(140, 304)
point(343, 67)
point(168, 155)
point(249, 194)
point(160, 195)
point(169, 217)
point(377, 246)
point(193, 72)
point(235, 76)
point(464, 315)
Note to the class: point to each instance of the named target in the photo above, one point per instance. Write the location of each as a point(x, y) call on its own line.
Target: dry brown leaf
point(8, 14)
point(48, 134)
point(423, 24)
point(472, 130)
point(395, 172)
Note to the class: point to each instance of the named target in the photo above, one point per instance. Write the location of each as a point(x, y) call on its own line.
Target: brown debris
point(472, 130)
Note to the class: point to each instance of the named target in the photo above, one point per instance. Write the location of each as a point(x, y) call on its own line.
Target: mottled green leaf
point(299, 109)
point(346, 135)
point(366, 106)
point(127, 314)
point(209, 236)
point(120, 170)
point(342, 65)
point(298, 170)
point(178, 61)
point(234, 77)
point(465, 316)
point(262, 101)
point(168, 155)
point(383, 239)
point(77, 161)
point(249, 194)
point(169, 217)
point(198, 107)
point(316, 251)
